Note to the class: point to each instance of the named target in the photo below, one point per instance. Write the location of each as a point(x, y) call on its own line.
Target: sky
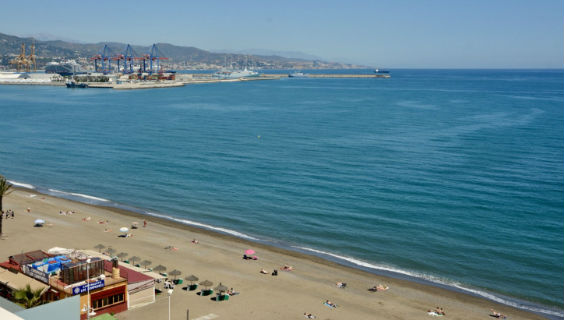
point(377, 33)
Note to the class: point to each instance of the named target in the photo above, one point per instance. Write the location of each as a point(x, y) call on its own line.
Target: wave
point(89, 197)
point(506, 301)
point(204, 226)
point(22, 185)
point(79, 195)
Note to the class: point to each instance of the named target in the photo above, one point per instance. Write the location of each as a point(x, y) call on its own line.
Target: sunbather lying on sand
point(437, 312)
point(330, 304)
point(308, 315)
point(263, 271)
point(379, 287)
point(496, 314)
point(341, 284)
point(287, 268)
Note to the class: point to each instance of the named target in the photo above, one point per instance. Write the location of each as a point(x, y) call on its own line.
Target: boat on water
point(381, 71)
point(74, 84)
point(297, 75)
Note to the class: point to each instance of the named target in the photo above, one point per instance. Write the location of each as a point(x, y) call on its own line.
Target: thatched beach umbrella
point(146, 263)
point(191, 278)
point(100, 247)
point(221, 288)
point(122, 255)
point(206, 283)
point(111, 251)
point(159, 268)
point(133, 259)
point(175, 273)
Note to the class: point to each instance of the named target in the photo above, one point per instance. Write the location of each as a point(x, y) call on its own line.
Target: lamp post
point(169, 294)
point(88, 288)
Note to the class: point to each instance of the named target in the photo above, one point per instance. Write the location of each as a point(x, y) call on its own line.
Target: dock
point(334, 75)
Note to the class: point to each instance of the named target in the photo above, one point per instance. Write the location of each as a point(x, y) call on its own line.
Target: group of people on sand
point(8, 214)
point(274, 272)
point(437, 312)
point(66, 213)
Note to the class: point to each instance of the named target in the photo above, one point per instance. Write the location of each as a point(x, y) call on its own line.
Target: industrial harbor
point(128, 70)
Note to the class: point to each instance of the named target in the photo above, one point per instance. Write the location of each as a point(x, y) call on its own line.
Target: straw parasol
point(146, 263)
point(122, 255)
point(159, 268)
point(133, 259)
point(221, 288)
point(111, 251)
point(206, 283)
point(175, 273)
point(191, 278)
point(100, 247)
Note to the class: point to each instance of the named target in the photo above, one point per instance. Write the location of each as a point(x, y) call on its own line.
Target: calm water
point(456, 177)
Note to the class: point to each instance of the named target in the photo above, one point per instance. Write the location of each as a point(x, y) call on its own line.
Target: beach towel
point(434, 314)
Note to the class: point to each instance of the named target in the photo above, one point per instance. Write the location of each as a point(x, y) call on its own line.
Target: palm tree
point(29, 297)
point(4, 191)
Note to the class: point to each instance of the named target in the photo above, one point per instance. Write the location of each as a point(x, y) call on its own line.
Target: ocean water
point(454, 177)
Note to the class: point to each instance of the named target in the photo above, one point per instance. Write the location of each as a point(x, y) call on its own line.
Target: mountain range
point(180, 57)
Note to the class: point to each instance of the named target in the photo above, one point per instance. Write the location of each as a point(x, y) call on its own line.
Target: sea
point(453, 178)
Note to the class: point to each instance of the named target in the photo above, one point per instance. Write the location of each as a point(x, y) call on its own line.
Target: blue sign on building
point(83, 288)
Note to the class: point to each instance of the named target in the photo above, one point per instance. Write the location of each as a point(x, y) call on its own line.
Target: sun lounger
point(206, 292)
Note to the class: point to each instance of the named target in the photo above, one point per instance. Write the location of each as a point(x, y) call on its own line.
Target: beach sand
point(218, 258)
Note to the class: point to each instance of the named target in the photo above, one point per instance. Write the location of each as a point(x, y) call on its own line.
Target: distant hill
point(179, 57)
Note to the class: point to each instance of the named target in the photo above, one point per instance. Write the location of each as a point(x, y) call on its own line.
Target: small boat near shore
point(73, 84)
point(381, 71)
point(297, 75)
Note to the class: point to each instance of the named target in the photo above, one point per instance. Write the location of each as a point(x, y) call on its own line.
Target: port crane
point(105, 59)
point(23, 62)
point(154, 56)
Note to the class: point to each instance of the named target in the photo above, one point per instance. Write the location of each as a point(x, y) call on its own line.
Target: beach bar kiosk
point(105, 290)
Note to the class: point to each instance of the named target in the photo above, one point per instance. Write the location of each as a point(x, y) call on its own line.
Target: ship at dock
point(66, 68)
point(235, 74)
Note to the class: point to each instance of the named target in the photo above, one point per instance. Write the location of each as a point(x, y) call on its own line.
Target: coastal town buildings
point(99, 284)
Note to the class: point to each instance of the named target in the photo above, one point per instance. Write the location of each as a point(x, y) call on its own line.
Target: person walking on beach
point(144, 223)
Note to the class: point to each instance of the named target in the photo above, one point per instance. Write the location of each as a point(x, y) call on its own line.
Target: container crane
point(154, 57)
point(105, 59)
point(21, 61)
point(31, 59)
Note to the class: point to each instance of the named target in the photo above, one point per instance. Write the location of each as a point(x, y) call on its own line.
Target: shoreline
point(404, 280)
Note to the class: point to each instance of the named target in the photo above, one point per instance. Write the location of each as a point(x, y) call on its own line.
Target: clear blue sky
point(391, 34)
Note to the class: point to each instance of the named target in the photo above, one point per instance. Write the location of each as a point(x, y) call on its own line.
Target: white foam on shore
point(79, 195)
point(22, 185)
point(204, 226)
point(89, 197)
point(437, 280)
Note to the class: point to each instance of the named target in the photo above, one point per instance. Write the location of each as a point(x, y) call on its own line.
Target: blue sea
point(449, 177)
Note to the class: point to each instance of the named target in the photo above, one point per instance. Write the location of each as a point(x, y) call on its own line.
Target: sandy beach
point(218, 258)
